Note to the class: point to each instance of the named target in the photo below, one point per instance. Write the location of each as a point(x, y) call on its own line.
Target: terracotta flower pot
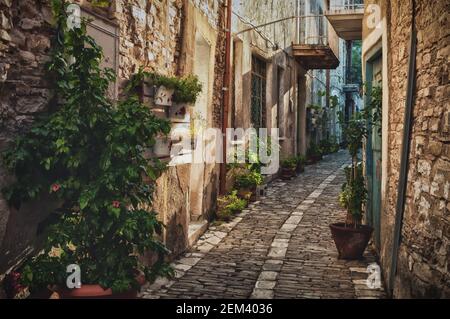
point(351, 242)
point(95, 292)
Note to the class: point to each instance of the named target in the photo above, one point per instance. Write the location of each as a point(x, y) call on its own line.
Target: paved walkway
point(280, 247)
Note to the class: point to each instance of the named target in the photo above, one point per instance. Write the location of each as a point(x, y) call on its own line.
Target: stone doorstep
point(196, 229)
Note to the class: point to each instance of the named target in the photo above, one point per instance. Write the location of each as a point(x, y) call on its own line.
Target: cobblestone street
point(280, 247)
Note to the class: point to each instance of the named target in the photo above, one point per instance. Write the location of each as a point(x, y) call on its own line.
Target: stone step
point(196, 229)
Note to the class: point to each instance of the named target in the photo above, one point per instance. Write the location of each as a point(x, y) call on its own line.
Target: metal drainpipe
point(226, 97)
point(406, 144)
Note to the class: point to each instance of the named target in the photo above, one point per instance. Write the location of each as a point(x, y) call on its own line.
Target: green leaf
point(115, 212)
point(84, 201)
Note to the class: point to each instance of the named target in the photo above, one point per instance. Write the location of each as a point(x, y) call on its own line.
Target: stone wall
point(424, 260)
point(423, 264)
point(25, 41)
point(151, 34)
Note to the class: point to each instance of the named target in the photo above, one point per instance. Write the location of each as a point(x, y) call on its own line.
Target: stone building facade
point(263, 38)
point(424, 254)
point(263, 57)
point(170, 37)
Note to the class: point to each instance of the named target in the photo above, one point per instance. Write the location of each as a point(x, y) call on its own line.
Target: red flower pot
point(351, 242)
point(95, 292)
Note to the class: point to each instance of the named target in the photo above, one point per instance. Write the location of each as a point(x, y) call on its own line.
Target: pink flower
point(55, 188)
point(116, 204)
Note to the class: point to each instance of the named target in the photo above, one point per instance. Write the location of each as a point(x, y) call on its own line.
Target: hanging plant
point(186, 90)
point(89, 154)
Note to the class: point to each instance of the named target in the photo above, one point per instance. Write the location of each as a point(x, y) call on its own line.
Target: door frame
point(373, 218)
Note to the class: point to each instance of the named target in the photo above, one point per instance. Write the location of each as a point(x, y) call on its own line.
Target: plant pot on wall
point(351, 242)
point(164, 96)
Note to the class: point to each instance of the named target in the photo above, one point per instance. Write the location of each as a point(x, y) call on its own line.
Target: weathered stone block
point(29, 24)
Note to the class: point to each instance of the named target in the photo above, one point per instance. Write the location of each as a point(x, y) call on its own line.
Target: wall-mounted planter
point(180, 113)
point(164, 96)
point(158, 98)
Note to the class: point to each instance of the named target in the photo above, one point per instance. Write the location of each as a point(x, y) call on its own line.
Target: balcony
point(353, 79)
point(346, 17)
point(316, 48)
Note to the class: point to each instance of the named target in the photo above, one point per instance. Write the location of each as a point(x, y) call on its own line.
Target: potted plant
point(247, 183)
point(89, 154)
point(229, 205)
point(313, 154)
point(301, 161)
point(351, 237)
point(289, 168)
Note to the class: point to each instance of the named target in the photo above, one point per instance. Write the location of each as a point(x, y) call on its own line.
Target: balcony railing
point(346, 5)
point(316, 48)
point(312, 30)
point(346, 17)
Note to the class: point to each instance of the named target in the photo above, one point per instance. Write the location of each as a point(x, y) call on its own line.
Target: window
point(258, 94)
point(106, 34)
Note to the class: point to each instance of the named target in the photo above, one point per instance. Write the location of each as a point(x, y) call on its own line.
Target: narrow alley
point(280, 247)
point(225, 149)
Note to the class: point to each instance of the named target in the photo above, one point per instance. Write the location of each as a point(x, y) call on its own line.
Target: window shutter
point(106, 33)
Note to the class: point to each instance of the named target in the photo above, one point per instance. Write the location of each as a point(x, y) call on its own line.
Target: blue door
point(374, 153)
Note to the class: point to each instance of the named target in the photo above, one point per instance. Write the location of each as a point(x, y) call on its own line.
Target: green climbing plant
point(373, 110)
point(88, 154)
point(186, 90)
